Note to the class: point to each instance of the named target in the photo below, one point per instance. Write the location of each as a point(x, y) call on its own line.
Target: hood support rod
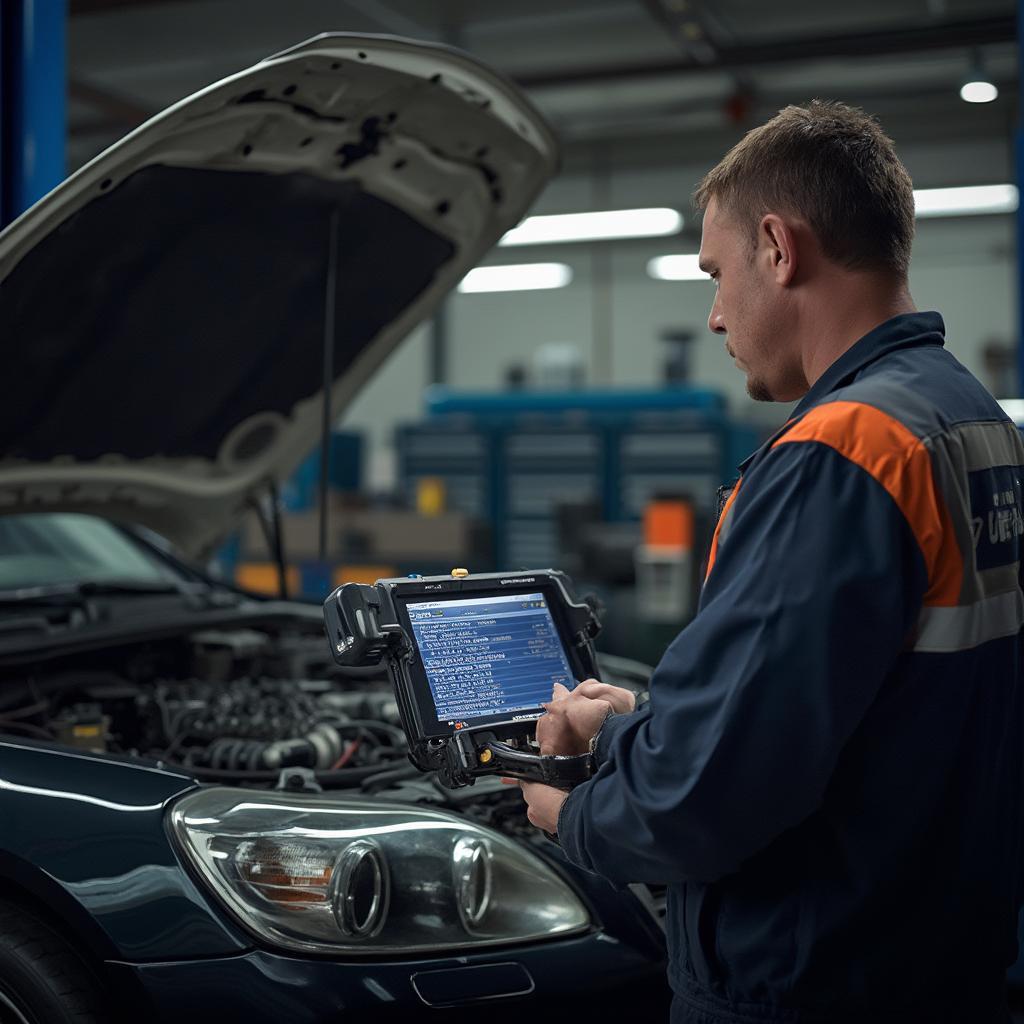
point(268, 513)
point(326, 425)
point(276, 537)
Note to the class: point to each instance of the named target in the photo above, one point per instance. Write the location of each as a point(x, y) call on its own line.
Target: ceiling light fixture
point(977, 86)
point(966, 201)
point(517, 277)
point(599, 225)
point(676, 267)
point(978, 90)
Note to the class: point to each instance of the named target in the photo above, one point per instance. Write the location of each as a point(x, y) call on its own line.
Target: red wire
point(347, 756)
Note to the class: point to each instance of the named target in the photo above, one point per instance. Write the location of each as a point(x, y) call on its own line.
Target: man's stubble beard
point(789, 386)
point(758, 390)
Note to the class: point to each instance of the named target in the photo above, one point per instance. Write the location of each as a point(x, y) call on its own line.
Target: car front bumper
point(266, 988)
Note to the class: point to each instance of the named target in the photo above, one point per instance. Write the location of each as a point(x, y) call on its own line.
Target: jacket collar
point(907, 330)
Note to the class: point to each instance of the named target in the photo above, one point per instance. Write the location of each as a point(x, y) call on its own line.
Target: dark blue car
point(201, 816)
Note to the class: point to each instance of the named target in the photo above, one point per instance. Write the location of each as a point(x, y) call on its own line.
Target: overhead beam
point(682, 22)
point(948, 35)
point(99, 6)
point(876, 98)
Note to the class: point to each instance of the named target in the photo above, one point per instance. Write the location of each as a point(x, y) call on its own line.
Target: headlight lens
point(321, 875)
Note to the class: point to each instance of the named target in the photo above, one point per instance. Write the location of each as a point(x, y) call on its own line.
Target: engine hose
point(372, 783)
point(319, 748)
point(222, 752)
point(392, 732)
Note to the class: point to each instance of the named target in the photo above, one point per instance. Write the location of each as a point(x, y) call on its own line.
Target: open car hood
point(162, 312)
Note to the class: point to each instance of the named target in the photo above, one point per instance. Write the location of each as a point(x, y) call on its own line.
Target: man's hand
point(622, 700)
point(572, 720)
point(543, 804)
point(573, 717)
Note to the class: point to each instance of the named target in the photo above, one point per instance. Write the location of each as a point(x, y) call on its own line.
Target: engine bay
point(254, 703)
point(258, 705)
point(228, 705)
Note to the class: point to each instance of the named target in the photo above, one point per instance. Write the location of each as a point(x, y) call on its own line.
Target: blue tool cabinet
point(512, 459)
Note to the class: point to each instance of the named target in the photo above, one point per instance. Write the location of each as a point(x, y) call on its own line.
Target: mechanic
point(830, 770)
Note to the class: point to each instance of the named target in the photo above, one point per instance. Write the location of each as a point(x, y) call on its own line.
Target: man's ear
point(779, 241)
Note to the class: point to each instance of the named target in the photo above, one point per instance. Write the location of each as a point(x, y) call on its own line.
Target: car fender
point(85, 834)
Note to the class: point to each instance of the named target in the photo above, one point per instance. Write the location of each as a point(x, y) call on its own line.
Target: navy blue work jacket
point(829, 774)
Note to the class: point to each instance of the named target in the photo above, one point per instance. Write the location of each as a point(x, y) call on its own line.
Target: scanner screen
point(487, 656)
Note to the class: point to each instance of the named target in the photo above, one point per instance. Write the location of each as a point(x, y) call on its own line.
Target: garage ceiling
point(623, 81)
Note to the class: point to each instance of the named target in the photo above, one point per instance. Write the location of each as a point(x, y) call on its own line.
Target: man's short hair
point(833, 166)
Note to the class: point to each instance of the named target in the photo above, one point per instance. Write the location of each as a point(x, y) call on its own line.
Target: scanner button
point(414, 576)
point(460, 573)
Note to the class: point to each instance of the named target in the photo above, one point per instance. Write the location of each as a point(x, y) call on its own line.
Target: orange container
point(262, 577)
point(669, 524)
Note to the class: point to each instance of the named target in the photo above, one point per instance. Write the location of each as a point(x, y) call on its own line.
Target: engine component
point(237, 705)
point(321, 747)
point(83, 726)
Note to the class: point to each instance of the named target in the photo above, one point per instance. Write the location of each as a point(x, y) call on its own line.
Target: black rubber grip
point(561, 770)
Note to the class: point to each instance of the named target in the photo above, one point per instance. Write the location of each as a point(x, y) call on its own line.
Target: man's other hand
point(622, 700)
point(543, 804)
point(573, 717)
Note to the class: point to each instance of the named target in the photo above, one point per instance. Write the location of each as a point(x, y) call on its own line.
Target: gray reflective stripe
point(950, 478)
point(941, 630)
point(915, 412)
point(960, 450)
point(999, 579)
point(994, 442)
point(983, 444)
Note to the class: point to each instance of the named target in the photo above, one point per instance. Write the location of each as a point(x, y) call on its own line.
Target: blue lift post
point(33, 101)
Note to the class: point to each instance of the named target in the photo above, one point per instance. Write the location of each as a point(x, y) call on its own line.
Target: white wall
point(964, 267)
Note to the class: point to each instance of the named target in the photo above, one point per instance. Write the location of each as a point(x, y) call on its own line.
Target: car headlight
point(322, 875)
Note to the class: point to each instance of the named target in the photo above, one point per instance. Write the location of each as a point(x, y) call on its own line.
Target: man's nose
point(716, 322)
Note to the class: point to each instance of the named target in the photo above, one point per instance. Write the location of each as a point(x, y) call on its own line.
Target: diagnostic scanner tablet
point(471, 659)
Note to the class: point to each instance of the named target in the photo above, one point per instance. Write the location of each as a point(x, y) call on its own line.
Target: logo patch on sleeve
point(997, 517)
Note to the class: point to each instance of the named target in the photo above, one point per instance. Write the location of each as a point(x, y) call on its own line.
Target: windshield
point(42, 549)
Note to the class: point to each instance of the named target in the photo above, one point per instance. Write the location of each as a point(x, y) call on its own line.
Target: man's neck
point(851, 312)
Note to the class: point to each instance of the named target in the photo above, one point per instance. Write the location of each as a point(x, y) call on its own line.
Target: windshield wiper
point(58, 593)
point(201, 594)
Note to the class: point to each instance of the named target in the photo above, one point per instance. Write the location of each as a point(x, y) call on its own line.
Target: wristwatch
point(592, 745)
point(640, 702)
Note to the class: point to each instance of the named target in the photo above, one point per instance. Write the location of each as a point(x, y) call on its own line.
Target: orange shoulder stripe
point(885, 448)
point(713, 553)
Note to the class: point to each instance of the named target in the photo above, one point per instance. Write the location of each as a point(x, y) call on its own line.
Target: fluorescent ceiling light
point(651, 222)
point(677, 267)
point(953, 202)
point(519, 277)
point(978, 91)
